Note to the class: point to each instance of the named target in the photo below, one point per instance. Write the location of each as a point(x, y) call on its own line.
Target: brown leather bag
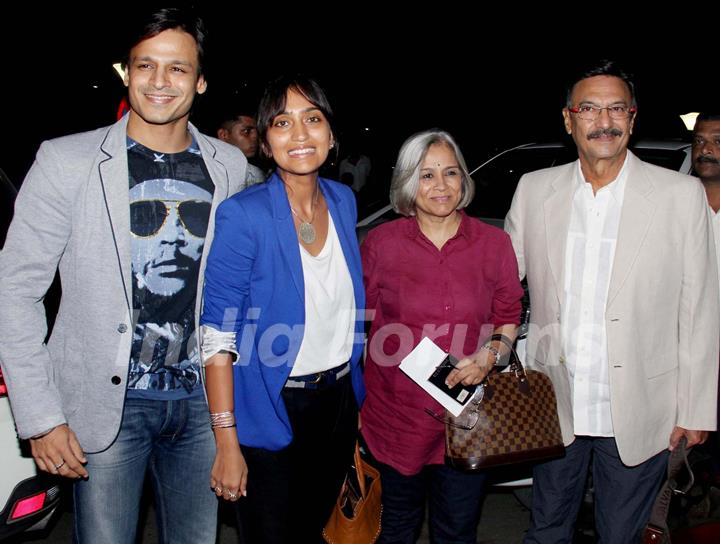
point(512, 418)
point(357, 513)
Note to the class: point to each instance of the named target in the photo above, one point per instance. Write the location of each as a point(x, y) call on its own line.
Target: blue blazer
point(254, 286)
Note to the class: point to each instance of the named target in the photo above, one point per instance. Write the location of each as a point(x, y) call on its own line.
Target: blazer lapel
point(217, 170)
point(557, 208)
point(635, 218)
point(285, 229)
point(113, 173)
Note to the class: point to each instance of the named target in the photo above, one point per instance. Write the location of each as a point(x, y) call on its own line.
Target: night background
point(491, 82)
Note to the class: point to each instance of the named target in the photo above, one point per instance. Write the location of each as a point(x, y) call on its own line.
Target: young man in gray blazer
point(623, 287)
point(126, 214)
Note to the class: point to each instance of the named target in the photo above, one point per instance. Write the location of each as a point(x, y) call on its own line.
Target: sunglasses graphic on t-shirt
point(147, 217)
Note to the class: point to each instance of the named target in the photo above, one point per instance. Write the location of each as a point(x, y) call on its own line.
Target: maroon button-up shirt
point(456, 296)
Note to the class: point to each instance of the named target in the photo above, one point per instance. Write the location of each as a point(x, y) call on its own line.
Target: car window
point(495, 182)
point(667, 158)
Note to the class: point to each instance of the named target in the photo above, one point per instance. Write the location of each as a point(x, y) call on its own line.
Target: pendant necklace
point(306, 231)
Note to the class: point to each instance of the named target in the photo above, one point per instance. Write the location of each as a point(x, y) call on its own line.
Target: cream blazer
point(662, 312)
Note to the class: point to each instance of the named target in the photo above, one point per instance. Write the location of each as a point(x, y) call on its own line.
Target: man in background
point(238, 128)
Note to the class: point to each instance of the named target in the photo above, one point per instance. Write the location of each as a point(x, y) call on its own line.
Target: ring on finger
point(59, 466)
point(232, 495)
point(218, 489)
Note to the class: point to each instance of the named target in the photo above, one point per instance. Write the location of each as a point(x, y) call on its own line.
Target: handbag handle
point(515, 366)
point(657, 527)
point(360, 471)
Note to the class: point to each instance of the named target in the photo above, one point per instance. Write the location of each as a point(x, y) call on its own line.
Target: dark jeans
point(455, 500)
point(623, 495)
point(291, 492)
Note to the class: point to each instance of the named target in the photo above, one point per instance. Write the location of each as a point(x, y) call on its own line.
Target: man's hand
point(59, 452)
point(693, 437)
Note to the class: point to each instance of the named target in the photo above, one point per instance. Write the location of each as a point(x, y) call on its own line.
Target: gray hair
point(406, 176)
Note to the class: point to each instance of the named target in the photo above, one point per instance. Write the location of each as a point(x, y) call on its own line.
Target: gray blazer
point(72, 214)
point(662, 307)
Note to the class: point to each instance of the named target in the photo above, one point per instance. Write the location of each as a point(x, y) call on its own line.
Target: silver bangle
point(492, 350)
point(221, 420)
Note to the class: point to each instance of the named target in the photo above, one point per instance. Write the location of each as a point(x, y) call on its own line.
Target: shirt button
point(447, 308)
point(116, 380)
point(122, 327)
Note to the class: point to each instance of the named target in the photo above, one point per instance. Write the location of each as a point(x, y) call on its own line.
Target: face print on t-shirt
point(168, 219)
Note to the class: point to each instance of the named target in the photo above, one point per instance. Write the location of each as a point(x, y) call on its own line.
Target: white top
point(329, 308)
point(589, 257)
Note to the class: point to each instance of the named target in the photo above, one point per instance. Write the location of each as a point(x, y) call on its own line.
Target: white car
point(27, 499)
point(497, 178)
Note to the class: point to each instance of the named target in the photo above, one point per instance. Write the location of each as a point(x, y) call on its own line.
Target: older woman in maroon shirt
point(441, 274)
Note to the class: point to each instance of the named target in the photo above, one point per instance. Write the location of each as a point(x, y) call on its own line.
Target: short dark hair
point(707, 116)
point(604, 67)
point(274, 100)
point(149, 24)
point(231, 115)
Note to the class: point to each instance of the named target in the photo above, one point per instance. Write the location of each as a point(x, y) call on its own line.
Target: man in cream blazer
point(622, 276)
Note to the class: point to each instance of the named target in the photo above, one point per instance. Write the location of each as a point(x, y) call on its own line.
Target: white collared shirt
point(715, 219)
point(589, 256)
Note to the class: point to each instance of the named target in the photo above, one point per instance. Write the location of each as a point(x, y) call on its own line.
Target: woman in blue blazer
point(281, 340)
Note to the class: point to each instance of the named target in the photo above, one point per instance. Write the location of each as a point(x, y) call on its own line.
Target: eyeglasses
point(147, 217)
point(469, 417)
point(589, 112)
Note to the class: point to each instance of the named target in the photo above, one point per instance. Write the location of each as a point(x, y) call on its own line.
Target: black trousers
point(623, 495)
point(291, 492)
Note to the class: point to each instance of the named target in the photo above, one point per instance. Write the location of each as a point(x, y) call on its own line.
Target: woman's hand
point(472, 370)
point(228, 477)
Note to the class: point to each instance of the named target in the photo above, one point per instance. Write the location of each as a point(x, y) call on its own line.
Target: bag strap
point(360, 470)
point(657, 528)
point(515, 365)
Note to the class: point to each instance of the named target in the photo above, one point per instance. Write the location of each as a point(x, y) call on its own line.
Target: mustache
point(612, 131)
point(705, 158)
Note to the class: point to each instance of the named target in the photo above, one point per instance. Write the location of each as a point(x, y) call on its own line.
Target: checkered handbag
point(511, 419)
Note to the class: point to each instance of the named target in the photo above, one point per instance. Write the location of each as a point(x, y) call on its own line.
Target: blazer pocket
point(657, 368)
